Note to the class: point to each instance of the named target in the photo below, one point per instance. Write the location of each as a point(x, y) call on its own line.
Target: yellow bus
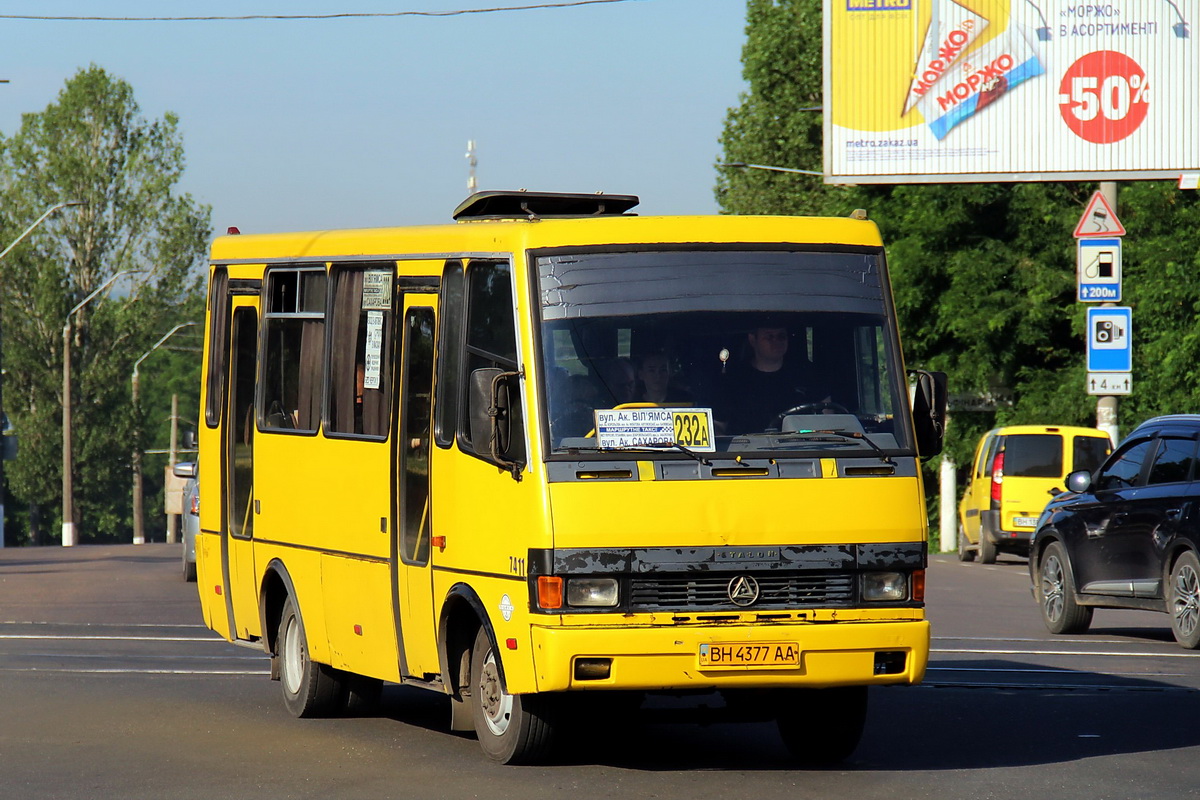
point(555, 452)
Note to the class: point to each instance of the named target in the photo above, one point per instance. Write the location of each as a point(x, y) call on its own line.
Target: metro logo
point(878, 5)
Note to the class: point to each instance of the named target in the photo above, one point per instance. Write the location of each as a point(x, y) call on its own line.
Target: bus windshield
point(787, 352)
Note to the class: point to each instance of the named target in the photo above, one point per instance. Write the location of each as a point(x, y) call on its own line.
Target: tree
point(983, 274)
point(91, 145)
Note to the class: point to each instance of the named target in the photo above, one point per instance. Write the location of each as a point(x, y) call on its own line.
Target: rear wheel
point(1056, 593)
point(309, 689)
point(512, 728)
point(965, 551)
point(987, 550)
point(1183, 600)
point(821, 727)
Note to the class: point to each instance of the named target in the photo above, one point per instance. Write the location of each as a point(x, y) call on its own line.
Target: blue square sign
point(1110, 339)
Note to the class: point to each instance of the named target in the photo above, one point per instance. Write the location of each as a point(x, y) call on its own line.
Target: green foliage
point(983, 274)
point(91, 145)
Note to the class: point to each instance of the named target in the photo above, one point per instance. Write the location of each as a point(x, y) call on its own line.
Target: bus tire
point(821, 727)
point(309, 689)
point(511, 728)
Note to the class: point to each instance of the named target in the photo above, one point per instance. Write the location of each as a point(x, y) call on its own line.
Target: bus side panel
point(210, 583)
point(328, 499)
point(490, 521)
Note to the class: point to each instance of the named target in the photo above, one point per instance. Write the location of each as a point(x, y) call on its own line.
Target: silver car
point(190, 520)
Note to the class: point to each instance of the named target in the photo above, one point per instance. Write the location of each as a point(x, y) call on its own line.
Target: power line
point(340, 15)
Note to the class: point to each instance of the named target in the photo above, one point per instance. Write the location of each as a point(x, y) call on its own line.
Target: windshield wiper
point(652, 447)
point(854, 435)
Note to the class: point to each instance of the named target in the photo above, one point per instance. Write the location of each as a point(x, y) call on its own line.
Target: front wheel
point(309, 689)
point(1183, 600)
point(821, 727)
point(1056, 593)
point(512, 728)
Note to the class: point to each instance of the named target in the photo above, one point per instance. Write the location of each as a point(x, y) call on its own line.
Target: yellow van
point(1015, 472)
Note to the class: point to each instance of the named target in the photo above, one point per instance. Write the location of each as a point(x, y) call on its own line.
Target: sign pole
point(1106, 405)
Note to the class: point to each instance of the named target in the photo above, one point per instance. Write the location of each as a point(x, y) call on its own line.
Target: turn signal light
point(550, 591)
point(918, 586)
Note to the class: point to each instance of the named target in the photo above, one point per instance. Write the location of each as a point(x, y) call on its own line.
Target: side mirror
point(492, 405)
point(189, 439)
point(184, 469)
point(929, 412)
point(1079, 482)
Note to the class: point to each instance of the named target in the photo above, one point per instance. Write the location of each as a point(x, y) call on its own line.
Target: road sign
point(1109, 339)
point(1099, 219)
point(1098, 270)
point(1109, 383)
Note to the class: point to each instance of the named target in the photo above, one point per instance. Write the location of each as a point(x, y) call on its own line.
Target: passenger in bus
point(656, 383)
point(619, 381)
point(756, 391)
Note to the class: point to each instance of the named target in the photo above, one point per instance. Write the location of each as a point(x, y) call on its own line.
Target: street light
point(744, 165)
point(68, 525)
point(139, 535)
point(51, 210)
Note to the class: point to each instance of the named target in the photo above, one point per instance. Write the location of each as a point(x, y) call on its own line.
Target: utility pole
point(69, 534)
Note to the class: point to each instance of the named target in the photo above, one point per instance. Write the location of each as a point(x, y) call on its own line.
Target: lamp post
point(46, 215)
point(744, 165)
point(69, 537)
point(139, 535)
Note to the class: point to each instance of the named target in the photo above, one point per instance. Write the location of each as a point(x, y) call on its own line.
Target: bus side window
point(449, 354)
point(491, 343)
point(293, 351)
point(360, 357)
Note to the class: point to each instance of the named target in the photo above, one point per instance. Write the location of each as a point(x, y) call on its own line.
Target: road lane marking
point(1013, 652)
point(99, 638)
point(256, 673)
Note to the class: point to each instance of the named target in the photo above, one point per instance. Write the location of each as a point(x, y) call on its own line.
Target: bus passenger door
point(237, 472)
point(414, 584)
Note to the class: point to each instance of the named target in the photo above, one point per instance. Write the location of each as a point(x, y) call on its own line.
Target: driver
point(755, 392)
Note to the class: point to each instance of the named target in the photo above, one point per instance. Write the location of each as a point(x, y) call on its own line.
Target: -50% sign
point(1104, 96)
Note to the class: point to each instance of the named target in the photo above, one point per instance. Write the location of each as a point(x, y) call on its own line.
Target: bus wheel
point(512, 728)
point(821, 727)
point(309, 689)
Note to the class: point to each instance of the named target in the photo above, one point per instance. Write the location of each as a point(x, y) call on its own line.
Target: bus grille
point(692, 591)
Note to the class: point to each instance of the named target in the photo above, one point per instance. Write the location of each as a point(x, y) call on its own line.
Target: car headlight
point(884, 586)
point(592, 592)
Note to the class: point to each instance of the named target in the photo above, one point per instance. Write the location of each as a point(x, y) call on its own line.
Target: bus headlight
point(592, 592)
point(884, 586)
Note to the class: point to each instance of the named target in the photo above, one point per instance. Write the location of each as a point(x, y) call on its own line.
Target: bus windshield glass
point(766, 352)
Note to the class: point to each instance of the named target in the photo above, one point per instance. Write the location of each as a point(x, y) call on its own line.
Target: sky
point(315, 124)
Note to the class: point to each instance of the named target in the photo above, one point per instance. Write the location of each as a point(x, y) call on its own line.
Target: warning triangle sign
point(1099, 219)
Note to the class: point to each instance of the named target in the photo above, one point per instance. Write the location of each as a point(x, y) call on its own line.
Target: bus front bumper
point(669, 658)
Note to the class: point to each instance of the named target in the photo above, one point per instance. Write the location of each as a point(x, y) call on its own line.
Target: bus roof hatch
point(534, 205)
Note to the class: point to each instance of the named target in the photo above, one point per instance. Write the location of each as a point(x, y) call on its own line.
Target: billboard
point(922, 91)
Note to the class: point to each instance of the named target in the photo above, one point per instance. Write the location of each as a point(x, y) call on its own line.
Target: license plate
point(1025, 522)
point(750, 654)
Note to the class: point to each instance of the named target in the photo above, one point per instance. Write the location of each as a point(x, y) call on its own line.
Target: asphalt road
point(110, 686)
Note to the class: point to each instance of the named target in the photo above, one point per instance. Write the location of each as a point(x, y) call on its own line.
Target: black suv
point(1128, 536)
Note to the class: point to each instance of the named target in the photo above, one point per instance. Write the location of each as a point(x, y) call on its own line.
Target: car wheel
point(987, 550)
point(821, 727)
point(309, 689)
point(189, 567)
point(965, 551)
point(1183, 600)
point(1056, 593)
point(512, 728)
